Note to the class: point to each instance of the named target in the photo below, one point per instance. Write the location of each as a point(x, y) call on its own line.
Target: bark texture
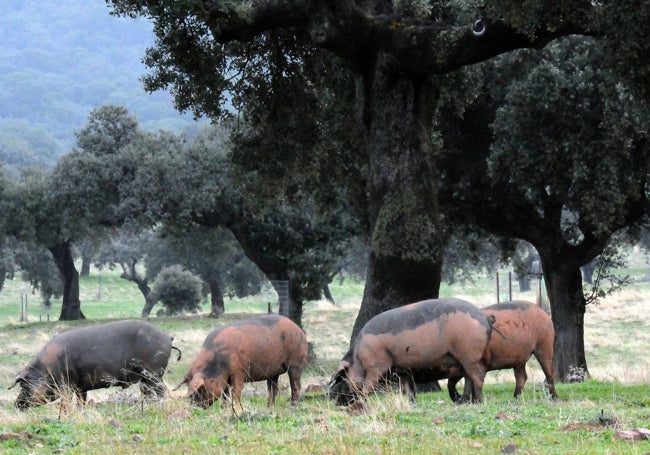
point(396, 111)
point(217, 306)
point(568, 308)
point(70, 304)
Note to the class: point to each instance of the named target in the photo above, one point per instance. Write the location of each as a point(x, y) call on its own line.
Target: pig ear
point(344, 365)
point(196, 383)
point(20, 379)
point(185, 380)
point(340, 372)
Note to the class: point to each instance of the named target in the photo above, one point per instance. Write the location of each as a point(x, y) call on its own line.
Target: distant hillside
point(59, 61)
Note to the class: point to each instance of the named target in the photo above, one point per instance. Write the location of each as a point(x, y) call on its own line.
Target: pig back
point(115, 352)
point(523, 328)
point(424, 335)
point(260, 347)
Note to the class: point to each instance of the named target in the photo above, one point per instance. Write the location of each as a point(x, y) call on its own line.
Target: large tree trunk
point(405, 249)
point(327, 293)
point(217, 306)
point(85, 266)
point(564, 288)
point(295, 305)
point(524, 283)
point(70, 305)
point(150, 299)
point(130, 273)
point(149, 302)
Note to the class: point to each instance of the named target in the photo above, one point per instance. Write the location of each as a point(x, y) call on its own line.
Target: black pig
point(118, 353)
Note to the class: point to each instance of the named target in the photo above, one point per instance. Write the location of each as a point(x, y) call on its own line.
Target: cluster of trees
point(300, 71)
point(376, 121)
point(139, 200)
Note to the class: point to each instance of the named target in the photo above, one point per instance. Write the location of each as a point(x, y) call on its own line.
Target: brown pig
point(255, 349)
point(432, 339)
point(522, 329)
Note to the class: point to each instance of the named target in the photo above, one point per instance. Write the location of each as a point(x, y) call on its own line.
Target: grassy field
point(119, 422)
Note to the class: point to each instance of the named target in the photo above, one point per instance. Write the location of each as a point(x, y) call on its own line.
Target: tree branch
point(433, 48)
point(243, 22)
point(357, 33)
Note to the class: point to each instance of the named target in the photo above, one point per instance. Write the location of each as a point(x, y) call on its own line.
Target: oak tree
point(397, 53)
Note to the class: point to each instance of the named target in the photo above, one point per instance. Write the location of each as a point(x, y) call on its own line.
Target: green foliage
point(529, 15)
point(108, 129)
point(567, 131)
point(26, 145)
point(413, 8)
point(88, 179)
point(212, 253)
point(299, 125)
point(243, 279)
point(185, 184)
point(38, 268)
point(178, 290)
point(606, 281)
point(59, 62)
point(628, 43)
point(468, 254)
point(31, 213)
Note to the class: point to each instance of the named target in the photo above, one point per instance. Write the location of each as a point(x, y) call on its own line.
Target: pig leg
point(226, 396)
point(520, 379)
point(373, 375)
point(546, 362)
point(468, 392)
point(272, 385)
point(370, 367)
point(294, 382)
point(476, 375)
point(237, 385)
point(152, 384)
point(67, 397)
point(451, 388)
point(82, 395)
point(356, 379)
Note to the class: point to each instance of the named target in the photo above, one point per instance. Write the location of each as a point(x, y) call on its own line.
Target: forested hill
point(59, 61)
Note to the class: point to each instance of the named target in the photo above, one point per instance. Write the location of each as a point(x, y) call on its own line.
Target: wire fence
point(508, 287)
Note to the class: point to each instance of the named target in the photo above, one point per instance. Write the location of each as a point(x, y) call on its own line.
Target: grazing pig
point(524, 329)
point(255, 349)
point(118, 353)
point(431, 339)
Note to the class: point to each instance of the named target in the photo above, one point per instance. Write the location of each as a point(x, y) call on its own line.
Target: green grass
point(118, 422)
point(433, 426)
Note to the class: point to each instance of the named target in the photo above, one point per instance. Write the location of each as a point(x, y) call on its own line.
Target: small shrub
point(177, 290)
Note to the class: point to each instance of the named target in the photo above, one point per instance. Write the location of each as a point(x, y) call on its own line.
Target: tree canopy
point(404, 58)
point(192, 185)
point(560, 158)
